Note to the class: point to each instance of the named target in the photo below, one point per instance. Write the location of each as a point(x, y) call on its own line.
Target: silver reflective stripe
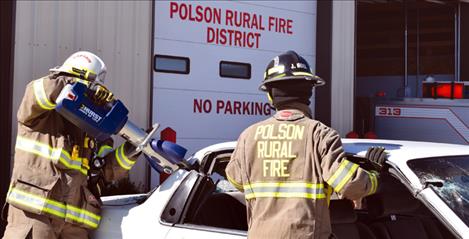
point(36, 202)
point(83, 216)
point(53, 207)
point(104, 150)
point(374, 182)
point(343, 174)
point(45, 151)
point(122, 159)
point(39, 149)
point(40, 94)
point(284, 190)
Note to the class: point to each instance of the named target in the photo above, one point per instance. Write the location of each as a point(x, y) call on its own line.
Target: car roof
point(399, 151)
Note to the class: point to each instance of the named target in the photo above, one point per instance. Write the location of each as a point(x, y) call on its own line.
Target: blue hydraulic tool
point(110, 119)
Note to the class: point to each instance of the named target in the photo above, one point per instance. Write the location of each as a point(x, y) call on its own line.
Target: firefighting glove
point(100, 94)
point(96, 182)
point(376, 157)
point(96, 176)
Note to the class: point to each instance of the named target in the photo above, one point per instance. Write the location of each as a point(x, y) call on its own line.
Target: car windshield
point(449, 178)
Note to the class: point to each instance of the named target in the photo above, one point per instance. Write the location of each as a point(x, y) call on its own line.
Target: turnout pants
point(23, 225)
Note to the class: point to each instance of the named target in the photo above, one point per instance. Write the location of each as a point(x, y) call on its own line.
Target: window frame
point(186, 59)
point(235, 63)
point(190, 188)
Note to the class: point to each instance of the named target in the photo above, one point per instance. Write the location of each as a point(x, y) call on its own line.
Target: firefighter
point(50, 194)
point(288, 165)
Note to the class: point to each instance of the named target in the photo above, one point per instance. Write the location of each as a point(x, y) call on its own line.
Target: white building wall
point(343, 65)
point(47, 32)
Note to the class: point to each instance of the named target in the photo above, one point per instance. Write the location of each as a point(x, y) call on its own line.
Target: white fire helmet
point(85, 65)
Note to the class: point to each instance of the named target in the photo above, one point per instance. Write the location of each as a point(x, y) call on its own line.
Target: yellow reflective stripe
point(45, 151)
point(277, 69)
point(374, 182)
point(48, 201)
point(81, 220)
point(37, 207)
point(285, 195)
point(83, 211)
point(302, 74)
point(127, 160)
point(343, 174)
point(73, 166)
point(122, 159)
point(54, 207)
point(333, 178)
point(236, 184)
point(279, 76)
point(83, 216)
point(119, 160)
point(71, 71)
point(283, 184)
point(40, 94)
point(103, 150)
point(37, 148)
point(284, 190)
point(347, 177)
point(328, 195)
point(36, 202)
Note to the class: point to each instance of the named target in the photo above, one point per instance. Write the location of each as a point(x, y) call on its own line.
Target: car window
point(449, 178)
point(218, 175)
point(222, 183)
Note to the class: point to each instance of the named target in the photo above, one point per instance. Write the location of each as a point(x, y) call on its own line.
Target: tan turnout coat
point(287, 167)
point(50, 177)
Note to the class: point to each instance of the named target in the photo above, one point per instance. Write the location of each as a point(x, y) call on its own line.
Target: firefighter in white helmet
point(288, 165)
point(51, 195)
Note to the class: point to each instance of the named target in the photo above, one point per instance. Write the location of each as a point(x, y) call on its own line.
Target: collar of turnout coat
point(293, 112)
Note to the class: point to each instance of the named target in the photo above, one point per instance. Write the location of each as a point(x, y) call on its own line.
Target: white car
point(423, 194)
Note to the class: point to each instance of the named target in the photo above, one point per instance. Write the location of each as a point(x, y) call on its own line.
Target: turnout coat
point(52, 158)
point(287, 166)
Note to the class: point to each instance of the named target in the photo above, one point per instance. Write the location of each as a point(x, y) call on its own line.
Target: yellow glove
point(101, 95)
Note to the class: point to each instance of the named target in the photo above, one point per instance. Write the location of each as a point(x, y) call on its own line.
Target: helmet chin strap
point(271, 102)
point(269, 97)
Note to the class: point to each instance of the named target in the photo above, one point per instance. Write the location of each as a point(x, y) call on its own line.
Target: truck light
point(449, 90)
point(380, 93)
point(352, 135)
point(371, 135)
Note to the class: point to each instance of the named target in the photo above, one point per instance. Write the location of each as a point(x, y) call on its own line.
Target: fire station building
point(396, 69)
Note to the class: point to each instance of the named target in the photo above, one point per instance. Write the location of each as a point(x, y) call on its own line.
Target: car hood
point(123, 199)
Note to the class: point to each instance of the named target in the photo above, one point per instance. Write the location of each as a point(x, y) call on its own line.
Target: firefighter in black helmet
point(289, 80)
point(289, 66)
point(288, 165)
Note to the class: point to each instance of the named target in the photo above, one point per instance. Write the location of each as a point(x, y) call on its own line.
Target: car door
point(208, 210)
